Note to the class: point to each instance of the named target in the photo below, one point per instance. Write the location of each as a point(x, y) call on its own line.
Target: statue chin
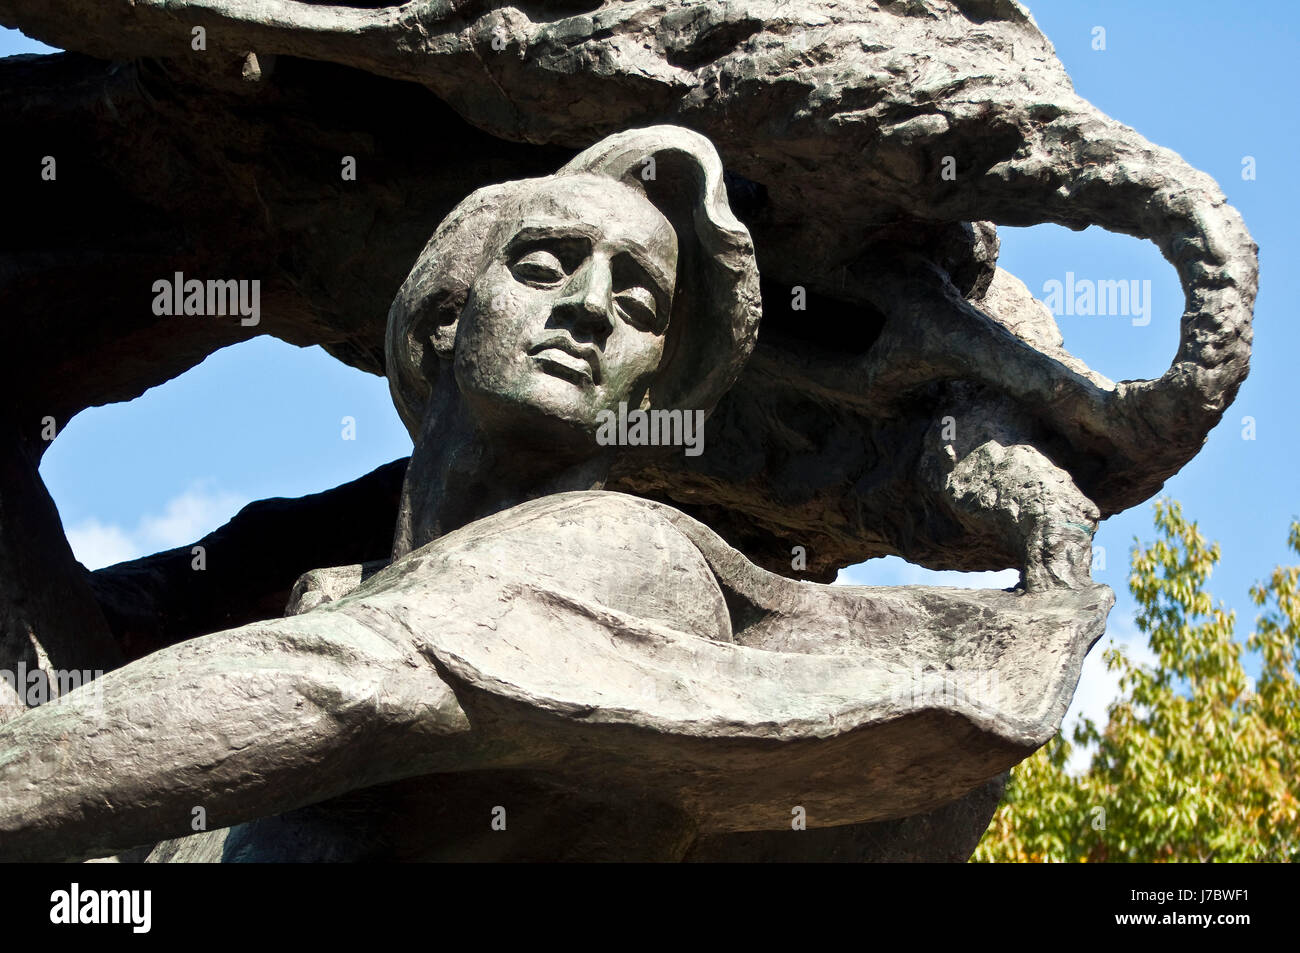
point(542, 415)
point(536, 405)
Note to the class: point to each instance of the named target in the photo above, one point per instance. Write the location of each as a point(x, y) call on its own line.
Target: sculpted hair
point(716, 307)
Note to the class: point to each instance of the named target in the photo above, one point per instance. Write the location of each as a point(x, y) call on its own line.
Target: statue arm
point(276, 715)
point(227, 727)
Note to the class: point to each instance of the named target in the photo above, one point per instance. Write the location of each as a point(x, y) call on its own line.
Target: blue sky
point(1208, 80)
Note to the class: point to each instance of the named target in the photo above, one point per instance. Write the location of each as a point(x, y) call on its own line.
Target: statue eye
point(538, 267)
point(638, 306)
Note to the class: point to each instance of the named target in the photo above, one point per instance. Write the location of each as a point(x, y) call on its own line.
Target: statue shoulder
point(607, 550)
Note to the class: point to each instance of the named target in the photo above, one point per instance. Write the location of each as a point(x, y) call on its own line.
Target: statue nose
point(587, 298)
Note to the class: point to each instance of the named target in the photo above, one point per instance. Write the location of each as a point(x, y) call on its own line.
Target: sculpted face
point(568, 315)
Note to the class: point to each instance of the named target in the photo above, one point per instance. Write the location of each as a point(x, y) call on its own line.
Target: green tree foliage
point(1192, 765)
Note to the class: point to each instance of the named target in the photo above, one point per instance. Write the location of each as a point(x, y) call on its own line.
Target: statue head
point(622, 278)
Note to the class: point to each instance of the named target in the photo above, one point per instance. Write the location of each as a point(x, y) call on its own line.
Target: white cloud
point(1099, 687)
point(893, 571)
point(184, 519)
point(96, 545)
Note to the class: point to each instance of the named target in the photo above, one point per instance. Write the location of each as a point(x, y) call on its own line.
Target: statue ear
point(422, 322)
point(441, 327)
point(431, 331)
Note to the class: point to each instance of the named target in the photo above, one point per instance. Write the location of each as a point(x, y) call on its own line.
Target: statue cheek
point(632, 362)
point(500, 318)
point(650, 352)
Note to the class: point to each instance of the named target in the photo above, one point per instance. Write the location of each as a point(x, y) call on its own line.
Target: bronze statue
point(533, 626)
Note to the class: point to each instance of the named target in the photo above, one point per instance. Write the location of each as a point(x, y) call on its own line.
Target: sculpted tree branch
point(1027, 149)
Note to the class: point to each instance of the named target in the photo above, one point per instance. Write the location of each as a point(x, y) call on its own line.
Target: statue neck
point(460, 473)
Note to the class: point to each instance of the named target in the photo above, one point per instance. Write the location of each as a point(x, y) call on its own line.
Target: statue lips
point(563, 357)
